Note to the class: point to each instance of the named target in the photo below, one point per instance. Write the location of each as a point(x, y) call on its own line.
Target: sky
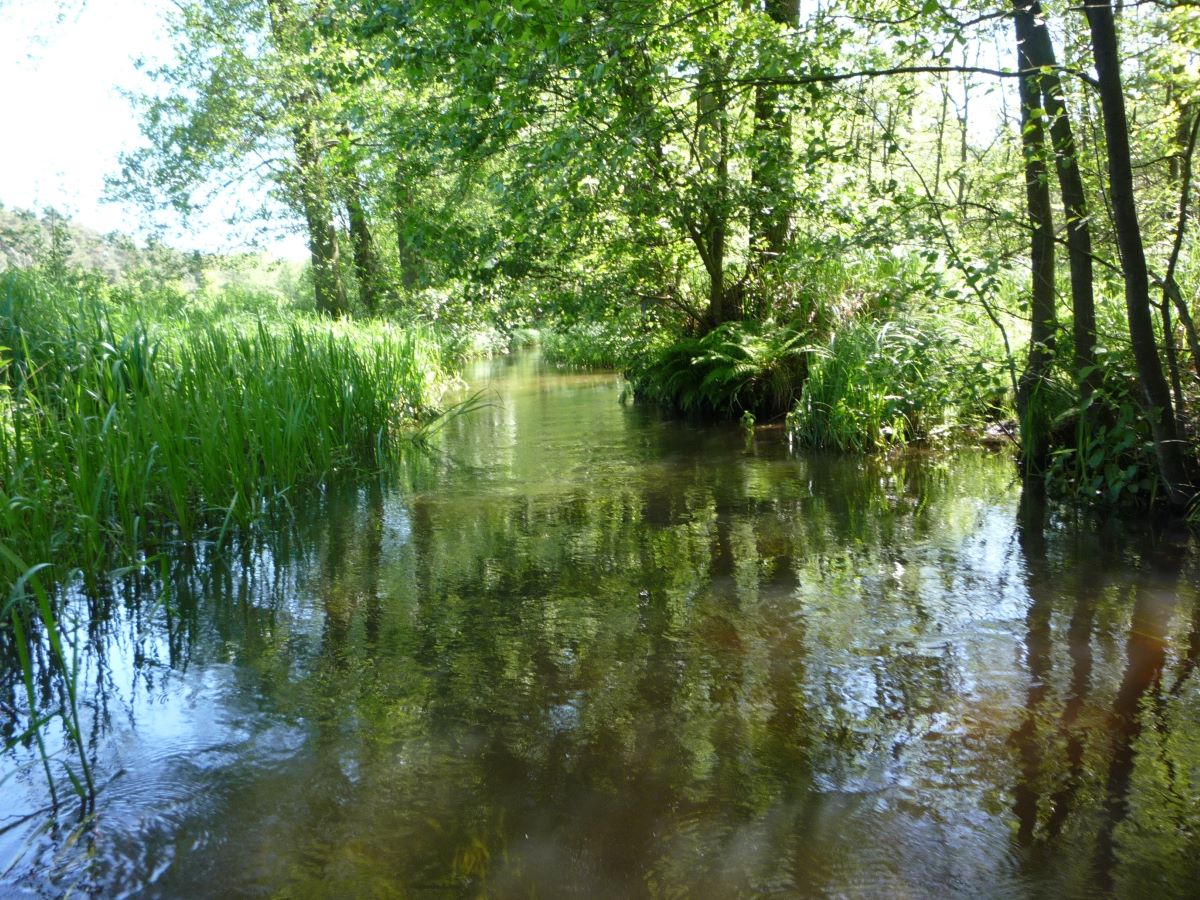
point(64, 121)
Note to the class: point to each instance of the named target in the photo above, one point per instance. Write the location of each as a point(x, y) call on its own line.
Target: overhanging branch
point(833, 77)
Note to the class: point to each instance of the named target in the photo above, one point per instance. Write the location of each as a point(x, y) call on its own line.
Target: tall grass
point(117, 434)
point(878, 384)
point(131, 419)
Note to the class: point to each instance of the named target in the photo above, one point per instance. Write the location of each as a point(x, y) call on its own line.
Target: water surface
point(583, 651)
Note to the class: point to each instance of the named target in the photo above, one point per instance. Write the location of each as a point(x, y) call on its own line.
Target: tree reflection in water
point(586, 651)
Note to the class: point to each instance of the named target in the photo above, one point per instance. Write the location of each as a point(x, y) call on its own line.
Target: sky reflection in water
point(584, 651)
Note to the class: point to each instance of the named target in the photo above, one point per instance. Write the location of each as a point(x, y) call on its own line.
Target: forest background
point(873, 223)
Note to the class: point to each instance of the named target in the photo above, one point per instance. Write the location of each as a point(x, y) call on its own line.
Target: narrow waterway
point(583, 651)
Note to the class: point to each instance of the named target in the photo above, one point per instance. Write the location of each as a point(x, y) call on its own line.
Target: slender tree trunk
point(367, 270)
point(1039, 51)
point(770, 177)
point(311, 187)
point(941, 135)
point(1031, 399)
point(711, 147)
point(1173, 163)
point(329, 292)
point(1187, 134)
point(366, 263)
point(872, 122)
point(1172, 360)
point(1182, 172)
point(405, 251)
point(1156, 394)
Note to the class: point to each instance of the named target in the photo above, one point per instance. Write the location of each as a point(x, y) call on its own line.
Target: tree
point(243, 100)
point(1038, 54)
point(310, 182)
point(1167, 447)
point(1031, 400)
point(770, 215)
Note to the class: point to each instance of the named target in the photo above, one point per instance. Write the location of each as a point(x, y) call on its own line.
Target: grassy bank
point(127, 420)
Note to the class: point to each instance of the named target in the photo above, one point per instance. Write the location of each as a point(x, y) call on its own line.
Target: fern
point(736, 367)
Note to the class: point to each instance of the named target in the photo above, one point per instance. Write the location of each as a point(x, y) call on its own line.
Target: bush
point(879, 384)
point(736, 367)
point(587, 345)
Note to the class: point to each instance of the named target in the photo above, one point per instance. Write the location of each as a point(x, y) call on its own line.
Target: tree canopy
point(682, 164)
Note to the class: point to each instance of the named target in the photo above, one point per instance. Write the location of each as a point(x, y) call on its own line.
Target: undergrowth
point(878, 384)
point(119, 432)
point(587, 345)
point(736, 367)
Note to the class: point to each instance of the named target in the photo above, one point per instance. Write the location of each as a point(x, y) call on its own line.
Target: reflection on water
point(588, 652)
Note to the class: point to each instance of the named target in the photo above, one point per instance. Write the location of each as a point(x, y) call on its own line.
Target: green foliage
point(1104, 453)
point(737, 366)
point(1102, 449)
point(887, 383)
point(589, 345)
point(678, 164)
point(118, 432)
point(1110, 461)
point(53, 243)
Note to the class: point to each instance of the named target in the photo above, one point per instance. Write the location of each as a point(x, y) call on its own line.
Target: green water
point(582, 651)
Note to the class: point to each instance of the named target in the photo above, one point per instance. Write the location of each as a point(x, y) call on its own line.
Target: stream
point(581, 650)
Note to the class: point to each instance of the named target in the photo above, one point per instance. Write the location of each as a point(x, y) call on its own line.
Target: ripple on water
point(599, 654)
point(177, 757)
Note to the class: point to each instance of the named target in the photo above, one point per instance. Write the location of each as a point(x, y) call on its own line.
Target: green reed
point(126, 426)
point(117, 434)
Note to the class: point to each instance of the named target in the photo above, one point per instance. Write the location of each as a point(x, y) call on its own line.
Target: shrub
point(737, 366)
point(887, 383)
point(587, 345)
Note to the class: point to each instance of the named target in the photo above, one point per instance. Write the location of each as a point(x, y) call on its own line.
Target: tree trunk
point(771, 215)
point(715, 238)
point(329, 292)
point(1172, 360)
point(405, 251)
point(643, 198)
point(366, 263)
point(711, 148)
point(310, 186)
point(1031, 399)
point(1187, 134)
point(367, 270)
point(1156, 394)
point(1038, 49)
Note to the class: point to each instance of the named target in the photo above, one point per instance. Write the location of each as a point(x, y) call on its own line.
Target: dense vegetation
point(131, 419)
point(874, 224)
point(889, 222)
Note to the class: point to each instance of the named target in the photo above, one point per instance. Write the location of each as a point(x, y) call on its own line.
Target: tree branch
point(833, 77)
